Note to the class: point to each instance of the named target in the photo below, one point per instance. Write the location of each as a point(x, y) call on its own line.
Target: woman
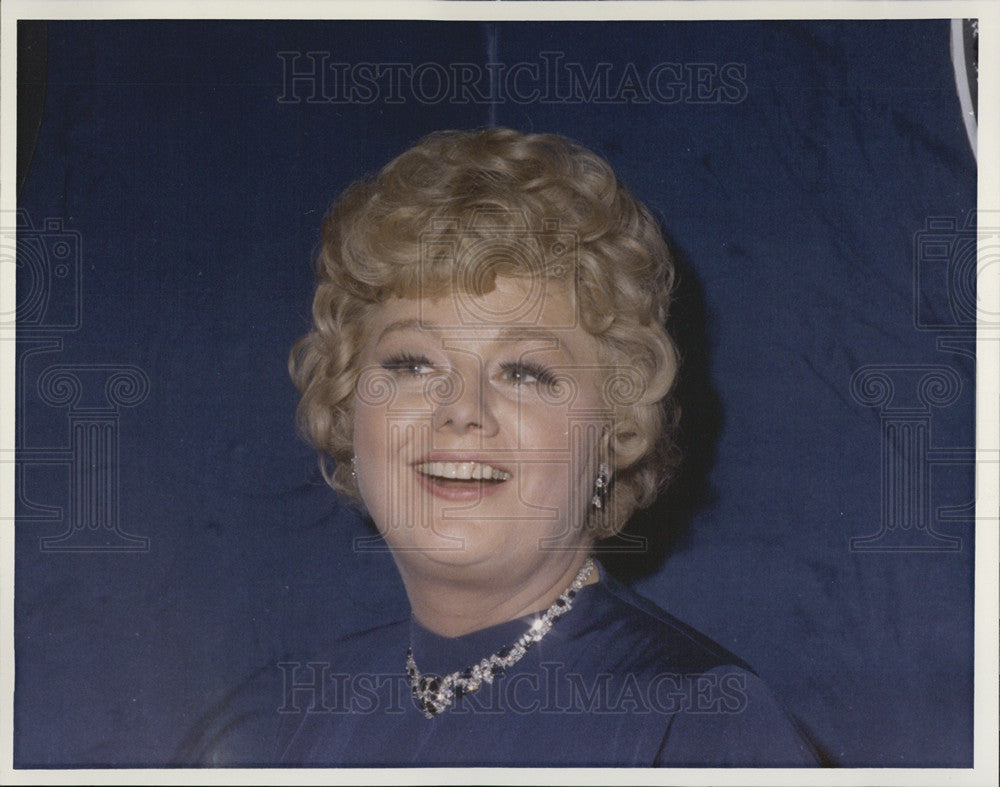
point(489, 372)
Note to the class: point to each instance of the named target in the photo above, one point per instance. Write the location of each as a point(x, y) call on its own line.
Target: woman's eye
point(527, 374)
point(520, 375)
point(408, 364)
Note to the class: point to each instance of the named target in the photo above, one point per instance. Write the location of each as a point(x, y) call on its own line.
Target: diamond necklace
point(434, 694)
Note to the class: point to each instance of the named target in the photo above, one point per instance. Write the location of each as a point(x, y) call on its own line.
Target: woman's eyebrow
point(528, 334)
point(412, 323)
point(505, 335)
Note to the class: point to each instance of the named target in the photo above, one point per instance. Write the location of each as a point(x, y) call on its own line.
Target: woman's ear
point(626, 446)
point(605, 450)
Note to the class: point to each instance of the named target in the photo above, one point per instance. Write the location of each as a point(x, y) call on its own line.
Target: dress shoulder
point(719, 712)
point(750, 730)
point(657, 639)
point(250, 725)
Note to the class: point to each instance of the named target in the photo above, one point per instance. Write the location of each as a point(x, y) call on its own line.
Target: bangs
point(466, 254)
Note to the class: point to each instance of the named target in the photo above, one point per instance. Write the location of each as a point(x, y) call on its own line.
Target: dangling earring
point(354, 468)
point(601, 485)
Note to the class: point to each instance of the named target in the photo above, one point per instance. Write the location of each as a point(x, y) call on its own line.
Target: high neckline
point(440, 655)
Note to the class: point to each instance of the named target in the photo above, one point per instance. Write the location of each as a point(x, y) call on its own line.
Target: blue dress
point(616, 682)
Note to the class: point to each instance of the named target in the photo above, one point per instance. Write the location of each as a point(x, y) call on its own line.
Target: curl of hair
point(455, 211)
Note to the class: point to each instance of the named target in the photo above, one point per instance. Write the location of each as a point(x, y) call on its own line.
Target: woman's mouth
point(462, 471)
point(461, 481)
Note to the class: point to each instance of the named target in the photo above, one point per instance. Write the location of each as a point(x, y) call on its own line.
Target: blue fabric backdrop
point(818, 186)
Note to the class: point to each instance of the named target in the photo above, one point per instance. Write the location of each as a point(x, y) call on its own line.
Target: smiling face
point(477, 435)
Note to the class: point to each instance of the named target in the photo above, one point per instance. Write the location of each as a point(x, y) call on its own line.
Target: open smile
point(462, 471)
point(461, 481)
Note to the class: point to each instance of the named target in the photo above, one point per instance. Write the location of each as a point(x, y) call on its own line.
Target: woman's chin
point(454, 543)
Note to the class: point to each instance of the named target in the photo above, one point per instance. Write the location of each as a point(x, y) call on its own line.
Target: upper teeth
point(465, 471)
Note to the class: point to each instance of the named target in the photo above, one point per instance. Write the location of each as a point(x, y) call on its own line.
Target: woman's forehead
point(515, 312)
point(524, 303)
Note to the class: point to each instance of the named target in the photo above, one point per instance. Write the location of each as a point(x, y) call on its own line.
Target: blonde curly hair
point(409, 230)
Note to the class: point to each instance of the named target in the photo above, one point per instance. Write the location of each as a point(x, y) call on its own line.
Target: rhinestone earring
point(601, 485)
point(354, 468)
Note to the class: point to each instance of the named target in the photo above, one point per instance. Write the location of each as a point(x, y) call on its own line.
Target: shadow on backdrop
point(665, 526)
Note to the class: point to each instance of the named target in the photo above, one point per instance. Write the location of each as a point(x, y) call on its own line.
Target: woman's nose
point(462, 399)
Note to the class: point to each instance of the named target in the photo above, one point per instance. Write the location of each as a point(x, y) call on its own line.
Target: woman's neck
point(457, 600)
